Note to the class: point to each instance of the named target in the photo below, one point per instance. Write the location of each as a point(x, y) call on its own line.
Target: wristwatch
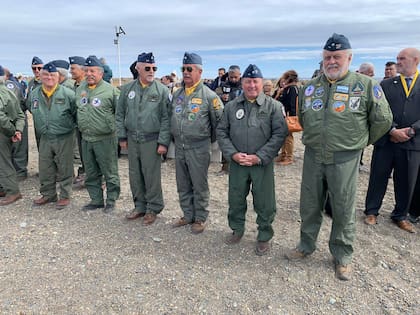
point(411, 133)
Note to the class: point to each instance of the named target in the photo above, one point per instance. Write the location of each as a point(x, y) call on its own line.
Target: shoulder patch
point(216, 104)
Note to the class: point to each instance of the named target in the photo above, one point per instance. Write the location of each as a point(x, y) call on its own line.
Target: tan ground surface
point(70, 262)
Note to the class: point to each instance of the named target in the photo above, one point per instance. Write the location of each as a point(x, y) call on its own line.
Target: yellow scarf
point(190, 90)
point(50, 92)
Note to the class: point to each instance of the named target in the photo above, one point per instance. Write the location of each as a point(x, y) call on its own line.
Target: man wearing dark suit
point(400, 148)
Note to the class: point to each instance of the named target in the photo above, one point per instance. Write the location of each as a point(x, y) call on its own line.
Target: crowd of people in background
point(85, 119)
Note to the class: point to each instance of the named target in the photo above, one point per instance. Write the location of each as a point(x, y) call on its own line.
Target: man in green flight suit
point(250, 134)
point(54, 113)
point(96, 102)
point(341, 112)
point(12, 121)
point(36, 66)
point(196, 111)
point(143, 128)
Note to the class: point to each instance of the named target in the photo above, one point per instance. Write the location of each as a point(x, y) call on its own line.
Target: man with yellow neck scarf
point(54, 112)
point(196, 111)
point(341, 112)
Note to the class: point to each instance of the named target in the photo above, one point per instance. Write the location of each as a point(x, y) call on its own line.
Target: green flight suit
point(142, 118)
point(12, 119)
point(96, 121)
point(339, 119)
point(55, 120)
point(253, 128)
point(193, 125)
point(32, 84)
point(20, 148)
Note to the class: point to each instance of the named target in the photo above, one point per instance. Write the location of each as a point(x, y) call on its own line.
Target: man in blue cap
point(63, 71)
point(341, 112)
point(96, 104)
point(36, 66)
point(54, 113)
point(12, 122)
point(77, 71)
point(143, 128)
point(250, 134)
point(196, 110)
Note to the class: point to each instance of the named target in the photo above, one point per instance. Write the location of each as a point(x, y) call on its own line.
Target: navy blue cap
point(93, 61)
point(77, 60)
point(50, 67)
point(146, 58)
point(61, 64)
point(1, 71)
point(36, 61)
point(192, 59)
point(337, 42)
point(252, 72)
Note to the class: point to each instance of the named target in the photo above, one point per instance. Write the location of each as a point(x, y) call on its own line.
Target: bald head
point(407, 61)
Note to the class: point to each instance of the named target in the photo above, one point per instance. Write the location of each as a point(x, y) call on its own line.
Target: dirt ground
point(71, 262)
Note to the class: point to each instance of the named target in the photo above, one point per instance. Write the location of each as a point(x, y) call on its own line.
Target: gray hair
point(366, 66)
point(63, 72)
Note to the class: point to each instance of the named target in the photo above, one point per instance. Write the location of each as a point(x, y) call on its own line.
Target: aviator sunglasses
point(189, 69)
point(36, 68)
point(150, 68)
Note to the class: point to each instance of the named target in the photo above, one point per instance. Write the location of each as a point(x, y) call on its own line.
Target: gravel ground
point(71, 262)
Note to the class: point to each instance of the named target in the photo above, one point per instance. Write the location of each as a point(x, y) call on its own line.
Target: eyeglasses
point(150, 68)
point(189, 69)
point(36, 68)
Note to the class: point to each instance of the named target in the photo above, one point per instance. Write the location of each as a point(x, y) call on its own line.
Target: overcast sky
point(277, 35)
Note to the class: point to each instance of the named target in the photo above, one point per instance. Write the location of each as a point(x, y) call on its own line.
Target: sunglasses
point(150, 68)
point(189, 69)
point(36, 68)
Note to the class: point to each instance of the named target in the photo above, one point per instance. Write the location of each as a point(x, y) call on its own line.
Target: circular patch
point(10, 86)
point(309, 90)
point(178, 109)
point(339, 106)
point(191, 116)
point(96, 102)
point(240, 113)
point(131, 95)
point(83, 101)
point(317, 105)
point(319, 91)
point(179, 100)
point(195, 108)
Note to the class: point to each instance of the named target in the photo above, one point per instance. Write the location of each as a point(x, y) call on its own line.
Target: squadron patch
point(179, 100)
point(96, 102)
point(317, 105)
point(354, 103)
point(10, 86)
point(341, 97)
point(196, 100)
point(319, 91)
point(35, 104)
point(131, 95)
point(216, 104)
point(83, 101)
point(194, 108)
point(358, 88)
point(339, 106)
point(240, 113)
point(191, 116)
point(178, 109)
point(377, 92)
point(309, 90)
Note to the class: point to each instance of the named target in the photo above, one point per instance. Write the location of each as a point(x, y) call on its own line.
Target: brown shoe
point(2, 194)
point(371, 219)
point(10, 199)
point(181, 222)
point(343, 272)
point(62, 203)
point(233, 238)
point(406, 226)
point(149, 218)
point(135, 214)
point(295, 254)
point(262, 248)
point(44, 200)
point(198, 227)
point(286, 162)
